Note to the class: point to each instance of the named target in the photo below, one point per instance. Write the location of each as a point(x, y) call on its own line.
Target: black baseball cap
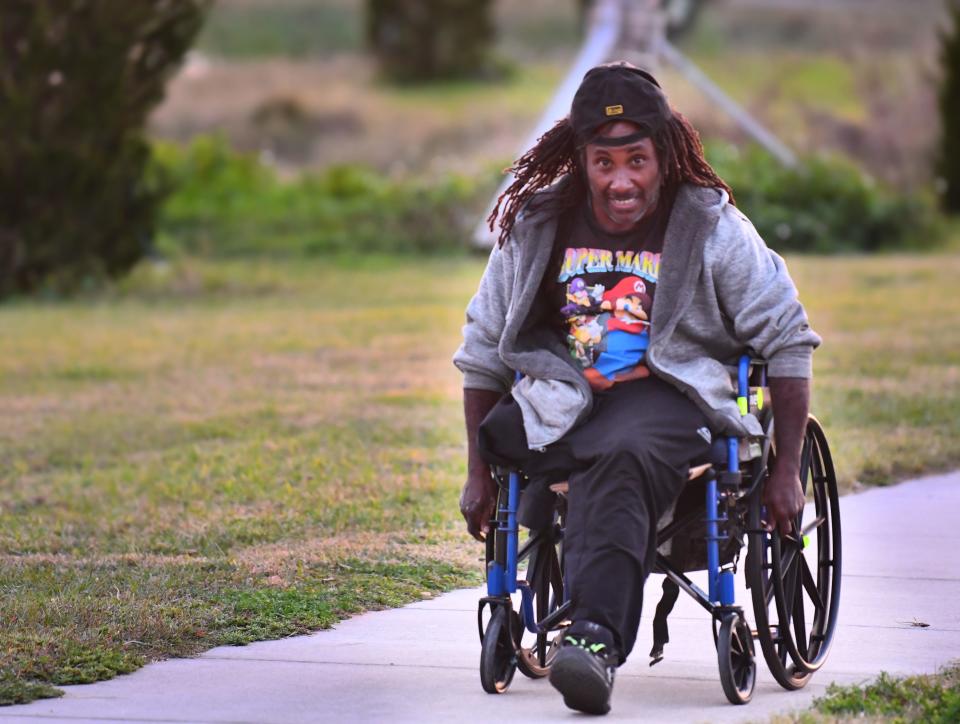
point(618, 92)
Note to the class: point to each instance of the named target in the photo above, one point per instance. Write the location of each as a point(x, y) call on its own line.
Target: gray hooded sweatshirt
point(721, 293)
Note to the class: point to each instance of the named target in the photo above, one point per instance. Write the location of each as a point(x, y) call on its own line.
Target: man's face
point(624, 180)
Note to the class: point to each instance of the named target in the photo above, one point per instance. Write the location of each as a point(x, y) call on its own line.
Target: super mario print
point(608, 329)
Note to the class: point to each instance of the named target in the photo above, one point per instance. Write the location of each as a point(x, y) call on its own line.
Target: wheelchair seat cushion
point(718, 452)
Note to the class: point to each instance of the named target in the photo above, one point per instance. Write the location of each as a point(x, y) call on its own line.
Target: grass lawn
point(220, 454)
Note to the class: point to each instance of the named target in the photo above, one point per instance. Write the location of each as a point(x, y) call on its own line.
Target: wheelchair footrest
point(552, 621)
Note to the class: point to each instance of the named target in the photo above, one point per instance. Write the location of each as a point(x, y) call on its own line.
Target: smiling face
point(624, 181)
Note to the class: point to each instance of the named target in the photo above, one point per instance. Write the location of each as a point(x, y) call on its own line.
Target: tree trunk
point(424, 40)
point(948, 157)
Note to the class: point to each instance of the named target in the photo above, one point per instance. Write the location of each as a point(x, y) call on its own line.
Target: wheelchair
point(522, 618)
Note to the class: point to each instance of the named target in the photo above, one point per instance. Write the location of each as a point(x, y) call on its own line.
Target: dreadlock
point(553, 157)
point(556, 155)
point(681, 158)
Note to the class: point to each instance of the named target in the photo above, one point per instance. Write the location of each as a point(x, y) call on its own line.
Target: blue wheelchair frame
point(731, 633)
point(502, 576)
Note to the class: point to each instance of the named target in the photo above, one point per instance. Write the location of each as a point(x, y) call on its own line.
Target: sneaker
point(583, 672)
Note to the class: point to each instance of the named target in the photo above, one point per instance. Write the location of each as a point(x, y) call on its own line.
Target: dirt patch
point(280, 562)
point(323, 112)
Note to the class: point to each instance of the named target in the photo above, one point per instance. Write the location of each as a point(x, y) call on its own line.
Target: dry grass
point(323, 112)
point(201, 450)
point(181, 468)
point(888, 376)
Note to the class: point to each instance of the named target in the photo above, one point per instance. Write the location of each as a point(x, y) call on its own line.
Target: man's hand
point(479, 494)
point(477, 501)
point(783, 496)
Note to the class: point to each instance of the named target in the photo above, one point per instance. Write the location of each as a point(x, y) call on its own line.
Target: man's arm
point(479, 495)
point(757, 293)
point(783, 494)
point(486, 378)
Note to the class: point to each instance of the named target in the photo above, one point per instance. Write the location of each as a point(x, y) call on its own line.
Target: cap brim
point(617, 141)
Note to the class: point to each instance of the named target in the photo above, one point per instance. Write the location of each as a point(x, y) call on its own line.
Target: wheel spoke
point(556, 579)
point(820, 496)
point(529, 546)
point(790, 582)
point(787, 560)
point(736, 645)
point(767, 570)
point(544, 557)
point(810, 585)
point(790, 557)
point(815, 523)
point(741, 669)
point(799, 615)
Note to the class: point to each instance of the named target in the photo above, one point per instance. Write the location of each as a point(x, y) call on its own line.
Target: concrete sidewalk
point(901, 549)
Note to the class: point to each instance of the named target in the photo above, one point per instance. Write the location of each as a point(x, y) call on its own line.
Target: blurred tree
point(948, 156)
point(422, 40)
point(77, 79)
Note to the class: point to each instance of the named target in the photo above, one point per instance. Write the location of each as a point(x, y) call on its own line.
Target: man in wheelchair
point(596, 349)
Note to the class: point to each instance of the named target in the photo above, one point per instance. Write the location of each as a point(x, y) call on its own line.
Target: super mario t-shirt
point(605, 286)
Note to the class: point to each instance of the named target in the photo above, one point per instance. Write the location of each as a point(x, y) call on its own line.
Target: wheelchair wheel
point(544, 574)
point(795, 605)
point(738, 668)
point(498, 660)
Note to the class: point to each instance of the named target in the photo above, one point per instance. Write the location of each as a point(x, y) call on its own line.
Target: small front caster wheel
point(498, 658)
point(738, 669)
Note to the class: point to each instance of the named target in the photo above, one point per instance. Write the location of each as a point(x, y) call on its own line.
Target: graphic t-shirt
point(605, 289)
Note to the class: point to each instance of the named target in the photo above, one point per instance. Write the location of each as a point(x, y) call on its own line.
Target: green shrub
point(826, 205)
point(78, 80)
point(932, 699)
point(230, 204)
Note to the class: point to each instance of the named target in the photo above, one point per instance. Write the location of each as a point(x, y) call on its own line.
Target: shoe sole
point(583, 687)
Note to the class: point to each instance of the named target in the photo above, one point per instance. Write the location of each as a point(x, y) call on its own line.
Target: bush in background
point(826, 205)
point(948, 156)
point(78, 79)
point(230, 204)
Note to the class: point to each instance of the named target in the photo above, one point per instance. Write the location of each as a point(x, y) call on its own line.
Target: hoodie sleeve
point(478, 357)
point(758, 295)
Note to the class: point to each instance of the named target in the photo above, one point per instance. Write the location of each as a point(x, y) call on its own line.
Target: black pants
point(626, 465)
